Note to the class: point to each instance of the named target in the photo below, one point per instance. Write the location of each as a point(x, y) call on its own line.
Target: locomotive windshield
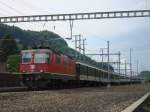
point(41, 58)
point(26, 57)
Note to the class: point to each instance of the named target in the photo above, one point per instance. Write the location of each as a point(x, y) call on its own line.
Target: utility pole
point(76, 44)
point(137, 67)
point(130, 62)
point(79, 44)
point(71, 28)
point(125, 63)
point(119, 54)
point(79, 47)
point(83, 46)
point(76, 55)
point(108, 64)
point(102, 61)
point(102, 56)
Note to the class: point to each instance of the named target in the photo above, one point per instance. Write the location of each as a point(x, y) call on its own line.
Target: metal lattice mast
point(76, 16)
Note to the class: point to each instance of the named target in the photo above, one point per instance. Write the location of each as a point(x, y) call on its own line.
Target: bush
point(13, 63)
point(147, 80)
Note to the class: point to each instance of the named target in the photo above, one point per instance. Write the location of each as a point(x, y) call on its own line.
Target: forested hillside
point(32, 38)
point(27, 39)
point(145, 75)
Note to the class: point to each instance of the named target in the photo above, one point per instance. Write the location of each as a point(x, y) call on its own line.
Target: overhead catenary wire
point(6, 5)
point(31, 6)
point(3, 11)
point(28, 5)
point(93, 50)
point(2, 14)
point(89, 50)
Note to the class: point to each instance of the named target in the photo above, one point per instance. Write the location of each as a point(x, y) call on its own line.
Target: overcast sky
point(123, 33)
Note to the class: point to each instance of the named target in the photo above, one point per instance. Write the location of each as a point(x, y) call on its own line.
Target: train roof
point(36, 50)
point(84, 64)
point(90, 66)
point(46, 50)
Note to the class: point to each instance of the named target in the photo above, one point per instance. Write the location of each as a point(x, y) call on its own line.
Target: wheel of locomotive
point(31, 84)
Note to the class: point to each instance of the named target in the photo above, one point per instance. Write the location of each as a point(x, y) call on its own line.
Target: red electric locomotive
point(44, 66)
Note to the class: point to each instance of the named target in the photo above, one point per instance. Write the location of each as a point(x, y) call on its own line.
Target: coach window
point(26, 57)
point(41, 58)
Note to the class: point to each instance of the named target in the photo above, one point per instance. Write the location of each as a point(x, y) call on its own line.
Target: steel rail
point(136, 104)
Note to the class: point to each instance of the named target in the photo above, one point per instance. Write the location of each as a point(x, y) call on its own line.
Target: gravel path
point(99, 99)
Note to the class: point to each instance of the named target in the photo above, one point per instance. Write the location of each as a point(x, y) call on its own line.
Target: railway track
point(142, 105)
point(88, 99)
point(10, 82)
point(13, 89)
point(9, 79)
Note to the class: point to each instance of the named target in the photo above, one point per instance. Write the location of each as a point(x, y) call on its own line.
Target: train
point(45, 67)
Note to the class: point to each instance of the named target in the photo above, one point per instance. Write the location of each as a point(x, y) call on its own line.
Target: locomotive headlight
point(41, 70)
point(32, 67)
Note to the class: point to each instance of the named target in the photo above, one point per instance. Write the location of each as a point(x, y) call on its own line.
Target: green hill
point(27, 39)
point(145, 75)
point(32, 38)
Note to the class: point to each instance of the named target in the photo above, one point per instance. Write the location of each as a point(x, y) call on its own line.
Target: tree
point(145, 75)
point(13, 63)
point(8, 47)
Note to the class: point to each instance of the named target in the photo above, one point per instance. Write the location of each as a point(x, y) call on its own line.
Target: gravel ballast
point(94, 99)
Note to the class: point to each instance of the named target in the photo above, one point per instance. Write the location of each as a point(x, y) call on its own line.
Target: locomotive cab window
point(41, 58)
point(26, 57)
